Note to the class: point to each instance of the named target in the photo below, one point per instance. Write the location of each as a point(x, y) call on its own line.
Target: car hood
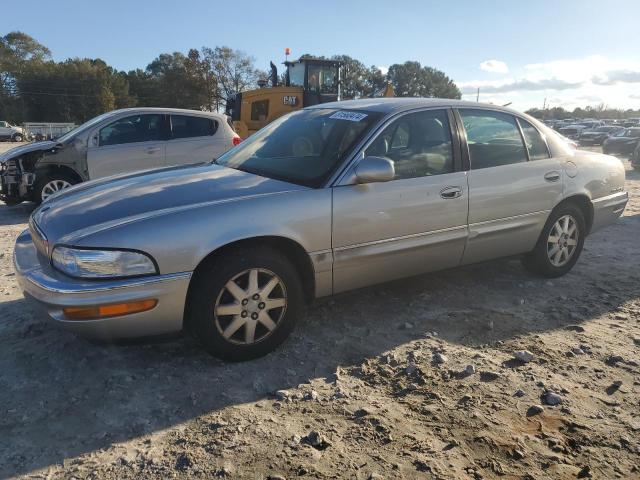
point(91, 207)
point(31, 147)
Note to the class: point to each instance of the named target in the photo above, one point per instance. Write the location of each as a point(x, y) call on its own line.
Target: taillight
point(236, 140)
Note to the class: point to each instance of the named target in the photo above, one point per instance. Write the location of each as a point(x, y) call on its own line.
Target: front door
point(127, 145)
point(514, 184)
point(412, 224)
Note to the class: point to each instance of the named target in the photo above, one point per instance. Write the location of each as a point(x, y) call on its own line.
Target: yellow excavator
point(308, 81)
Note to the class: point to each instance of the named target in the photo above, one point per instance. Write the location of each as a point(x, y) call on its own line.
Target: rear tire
point(18, 137)
point(50, 183)
point(237, 317)
point(560, 243)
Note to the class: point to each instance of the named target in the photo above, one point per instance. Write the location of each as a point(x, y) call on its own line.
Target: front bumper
point(52, 291)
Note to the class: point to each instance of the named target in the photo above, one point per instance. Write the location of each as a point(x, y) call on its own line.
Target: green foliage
point(35, 88)
point(411, 79)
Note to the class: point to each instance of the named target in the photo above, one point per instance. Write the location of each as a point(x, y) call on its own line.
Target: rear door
point(412, 224)
point(195, 139)
point(513, 184)
point(132, 143)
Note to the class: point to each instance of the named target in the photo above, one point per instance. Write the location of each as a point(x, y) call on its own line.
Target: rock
point(375, 476)
point(488, 376)
point(276, 477)
point(577, 351)
point(518, 454)
point(183, 462)
point(621, 316)
point(519, 393)
point(312, 395)
point(282, 395)
point(438, 358)
point(524, 356)
point(316, 440)
point(613, 360)
point(575, 328)
point(551, 398)
point(535, 410)
point(636, 340)
point(469, 370)
point(585, 472)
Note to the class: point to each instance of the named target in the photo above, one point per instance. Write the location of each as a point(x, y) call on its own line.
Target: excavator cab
point(308, 81)
point(319, 78)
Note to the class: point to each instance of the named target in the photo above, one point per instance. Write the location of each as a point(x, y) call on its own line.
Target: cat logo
point(290, 100)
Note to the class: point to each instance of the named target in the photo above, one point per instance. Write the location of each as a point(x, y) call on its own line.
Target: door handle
point(552, 176)
point(451, 192)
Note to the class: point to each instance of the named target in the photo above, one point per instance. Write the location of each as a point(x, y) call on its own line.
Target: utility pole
point(544, 104)
point(478, 95)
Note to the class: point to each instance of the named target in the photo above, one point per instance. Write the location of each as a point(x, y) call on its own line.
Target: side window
point(260, 110)
point(493, 138)
point(137, 128)
point(187, 126)
point(3, 124)
point(419, 144)
point(536, 145)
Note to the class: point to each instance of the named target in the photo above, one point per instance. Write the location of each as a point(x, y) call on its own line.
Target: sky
point(566, 53)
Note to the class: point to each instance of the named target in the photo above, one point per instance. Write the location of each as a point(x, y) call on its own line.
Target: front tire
point(245, 304)
point(560, 243)
point(50, 184)
point(17, 137)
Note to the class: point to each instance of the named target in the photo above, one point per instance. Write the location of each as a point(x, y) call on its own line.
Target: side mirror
point(375, 169)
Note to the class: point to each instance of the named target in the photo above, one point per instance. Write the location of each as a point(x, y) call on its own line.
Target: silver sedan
point(327, 199)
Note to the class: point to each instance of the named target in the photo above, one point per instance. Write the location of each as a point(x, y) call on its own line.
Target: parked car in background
point(113, 143)
point(572, 131)
point(622, 143)
point(598, 135)
point(11, 132)
point(323, 200)
point(635, 158)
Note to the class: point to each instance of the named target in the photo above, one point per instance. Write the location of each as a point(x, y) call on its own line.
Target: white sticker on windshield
point(351, 116)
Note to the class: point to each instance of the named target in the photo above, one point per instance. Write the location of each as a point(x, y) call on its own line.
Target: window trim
point(542, 135)
point(164, 129)
point(169, 121)
point(516, 117)
point(343, 175)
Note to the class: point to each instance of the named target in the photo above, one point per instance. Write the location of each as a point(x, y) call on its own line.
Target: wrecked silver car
point(117, 142)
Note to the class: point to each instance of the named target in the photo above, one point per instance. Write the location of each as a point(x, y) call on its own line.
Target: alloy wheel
point(52, 187)
point(562, 241)
point(250, 306)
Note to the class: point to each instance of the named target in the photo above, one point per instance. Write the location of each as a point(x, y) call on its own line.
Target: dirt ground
point(413, 379)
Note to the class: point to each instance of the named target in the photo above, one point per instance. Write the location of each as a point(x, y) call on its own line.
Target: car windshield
point(86, 125)
point(304, 147)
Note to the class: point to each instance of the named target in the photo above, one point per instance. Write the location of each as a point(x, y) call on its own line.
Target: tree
point(411, 79)
point(234, 70)
point(17, 50)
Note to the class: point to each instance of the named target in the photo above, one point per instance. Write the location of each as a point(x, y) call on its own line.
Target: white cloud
point(494, 66)
point(569, 83)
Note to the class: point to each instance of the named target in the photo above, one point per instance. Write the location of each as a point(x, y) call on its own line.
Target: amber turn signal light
point(107, 311)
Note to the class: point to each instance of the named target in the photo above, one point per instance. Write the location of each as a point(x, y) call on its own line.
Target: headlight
point(89, 263)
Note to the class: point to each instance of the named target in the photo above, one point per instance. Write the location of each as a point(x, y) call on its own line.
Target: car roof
point(166, 110)
point(395, 105)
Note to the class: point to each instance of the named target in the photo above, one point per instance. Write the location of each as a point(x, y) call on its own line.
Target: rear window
point(187, 126)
